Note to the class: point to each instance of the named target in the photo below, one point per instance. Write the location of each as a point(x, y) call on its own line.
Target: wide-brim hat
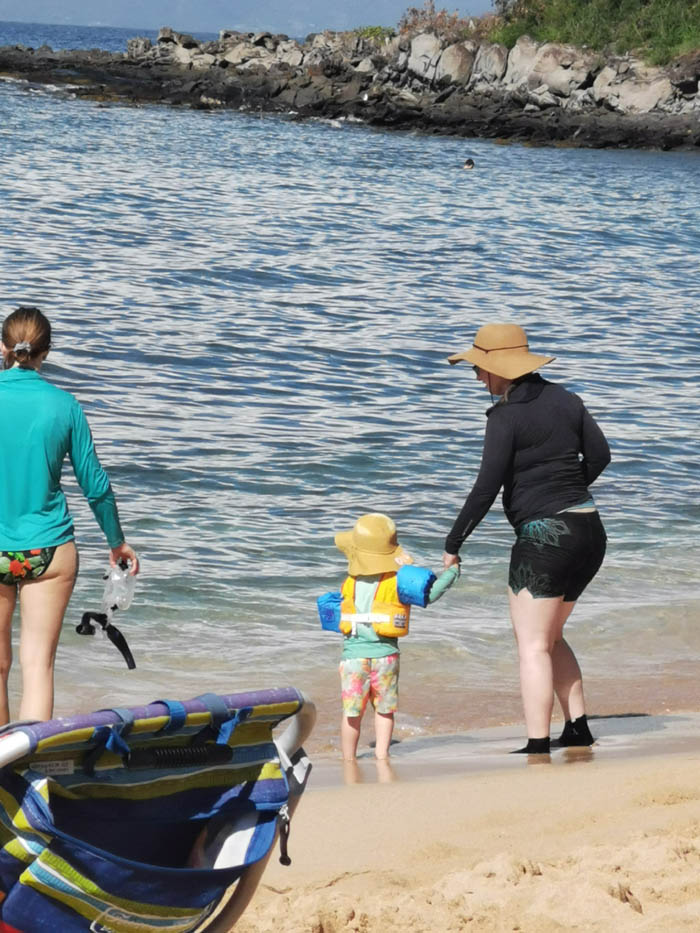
point(502, 349)
point(372, 546)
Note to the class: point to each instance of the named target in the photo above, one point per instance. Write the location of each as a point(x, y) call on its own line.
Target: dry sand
point(459, 835)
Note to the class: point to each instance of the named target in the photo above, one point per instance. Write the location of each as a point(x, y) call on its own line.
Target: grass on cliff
point(378, 33)
point(659, 30)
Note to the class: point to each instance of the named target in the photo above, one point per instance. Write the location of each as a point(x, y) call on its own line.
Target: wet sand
point(457, 834)
point(427, 707)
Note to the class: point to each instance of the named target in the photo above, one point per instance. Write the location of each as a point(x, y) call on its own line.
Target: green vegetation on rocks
point(656, 30)
point(659, 30)
point(378, 33)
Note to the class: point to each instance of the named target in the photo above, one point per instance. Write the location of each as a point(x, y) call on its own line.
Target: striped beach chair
point(155, 818)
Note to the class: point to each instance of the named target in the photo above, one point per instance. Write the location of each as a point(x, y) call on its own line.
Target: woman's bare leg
point(536, 626)
point(568, 682)
point(43, 603)
point(8, 598)
point(547, 662)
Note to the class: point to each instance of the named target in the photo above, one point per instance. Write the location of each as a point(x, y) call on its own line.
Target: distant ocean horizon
point(70, 36)
point(256, 314)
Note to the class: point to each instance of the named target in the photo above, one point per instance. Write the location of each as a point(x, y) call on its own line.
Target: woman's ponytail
point(26, 334)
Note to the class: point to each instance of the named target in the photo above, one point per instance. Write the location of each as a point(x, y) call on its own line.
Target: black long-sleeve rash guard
point(543, 448)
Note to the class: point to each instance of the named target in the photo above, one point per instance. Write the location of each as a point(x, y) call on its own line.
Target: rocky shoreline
point(543, 94)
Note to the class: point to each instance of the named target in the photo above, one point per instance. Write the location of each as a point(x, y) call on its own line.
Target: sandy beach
point(456, 834)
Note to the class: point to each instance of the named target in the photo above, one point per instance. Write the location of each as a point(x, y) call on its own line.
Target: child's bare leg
point(350, 736)
point(383, 729)
point(385, 698)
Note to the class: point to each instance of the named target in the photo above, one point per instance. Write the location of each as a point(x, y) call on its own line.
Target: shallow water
point(255, 314)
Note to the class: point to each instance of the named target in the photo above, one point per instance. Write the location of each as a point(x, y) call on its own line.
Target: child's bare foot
point(351, 771)
point(385, 773)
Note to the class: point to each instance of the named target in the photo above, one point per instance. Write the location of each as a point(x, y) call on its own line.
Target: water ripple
point(256, 314)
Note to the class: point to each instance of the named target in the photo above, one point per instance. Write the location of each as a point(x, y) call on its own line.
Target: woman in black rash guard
point(544, 450)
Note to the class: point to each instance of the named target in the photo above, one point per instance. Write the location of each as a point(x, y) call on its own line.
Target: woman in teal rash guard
point(38, 557)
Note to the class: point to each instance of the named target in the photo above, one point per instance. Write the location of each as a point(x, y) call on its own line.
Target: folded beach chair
point(155, 818)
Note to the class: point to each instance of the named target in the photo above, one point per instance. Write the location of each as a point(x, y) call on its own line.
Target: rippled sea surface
point(255, 314)
point(107, 38)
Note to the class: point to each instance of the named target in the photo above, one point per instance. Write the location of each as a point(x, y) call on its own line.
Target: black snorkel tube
point(104, 619)
point(111, 631)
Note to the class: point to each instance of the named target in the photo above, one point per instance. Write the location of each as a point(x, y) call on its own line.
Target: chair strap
point(223, 722)
point(109, 738)
point(177, 714)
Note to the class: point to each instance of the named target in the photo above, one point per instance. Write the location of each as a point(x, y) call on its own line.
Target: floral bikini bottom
point(18, 566)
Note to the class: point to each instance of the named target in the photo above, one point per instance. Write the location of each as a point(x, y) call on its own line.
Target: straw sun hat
point(502, 349)
point(372, 546)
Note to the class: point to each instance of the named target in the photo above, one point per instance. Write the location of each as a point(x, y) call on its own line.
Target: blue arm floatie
point(329, 611)
point(414, 584)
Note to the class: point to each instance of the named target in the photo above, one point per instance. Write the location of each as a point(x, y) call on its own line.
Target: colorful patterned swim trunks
point(375, 679)
point(18, 566)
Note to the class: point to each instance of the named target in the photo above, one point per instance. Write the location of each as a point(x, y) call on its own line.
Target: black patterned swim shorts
point(18, 566)
point(557, 556)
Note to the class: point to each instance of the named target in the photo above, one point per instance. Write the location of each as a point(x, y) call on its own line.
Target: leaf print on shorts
point(523, 577)
point(543, 531)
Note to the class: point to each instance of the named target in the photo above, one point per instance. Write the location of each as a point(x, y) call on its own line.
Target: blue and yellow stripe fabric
point(99, 821)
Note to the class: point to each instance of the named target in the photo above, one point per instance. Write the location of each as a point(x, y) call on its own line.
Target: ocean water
point(256, 313)
point(108, 38)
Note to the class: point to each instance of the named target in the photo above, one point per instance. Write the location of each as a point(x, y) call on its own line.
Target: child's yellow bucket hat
point(372, 546)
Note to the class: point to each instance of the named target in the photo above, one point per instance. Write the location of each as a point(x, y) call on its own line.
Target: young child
point(374, 611)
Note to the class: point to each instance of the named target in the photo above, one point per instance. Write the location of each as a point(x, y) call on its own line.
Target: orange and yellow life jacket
point(388, 616)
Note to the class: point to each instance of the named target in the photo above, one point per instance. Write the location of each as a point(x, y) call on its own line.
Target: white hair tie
point(22, 345)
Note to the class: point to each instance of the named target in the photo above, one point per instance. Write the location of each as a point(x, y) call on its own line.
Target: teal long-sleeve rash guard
point(42, 425)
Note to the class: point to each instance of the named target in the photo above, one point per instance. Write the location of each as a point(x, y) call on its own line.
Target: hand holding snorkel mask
point(118, 593)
